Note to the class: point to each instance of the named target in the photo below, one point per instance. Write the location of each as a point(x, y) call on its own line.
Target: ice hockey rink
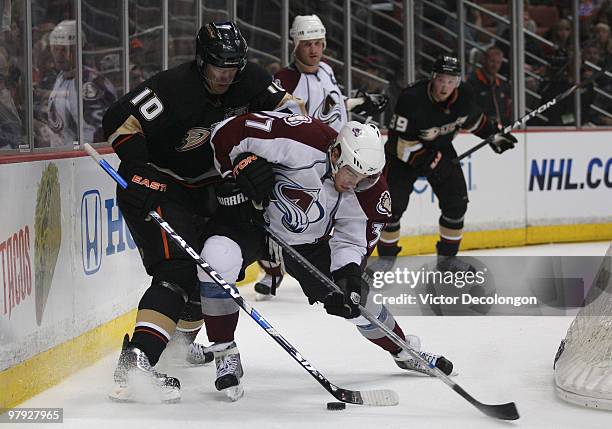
point(499, 359)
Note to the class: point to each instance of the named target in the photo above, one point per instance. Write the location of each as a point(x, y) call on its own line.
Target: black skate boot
point(134, 362)
point(265, 289)
point(229, 369)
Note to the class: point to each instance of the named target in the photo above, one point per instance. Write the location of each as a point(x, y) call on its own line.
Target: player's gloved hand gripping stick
point(523, 120)
point(381, 397)
point(501, 411)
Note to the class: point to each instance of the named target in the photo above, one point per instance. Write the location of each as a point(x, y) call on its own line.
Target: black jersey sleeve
point(138, 115)
point(402, 122)
point(477, 123)
point(268, 95)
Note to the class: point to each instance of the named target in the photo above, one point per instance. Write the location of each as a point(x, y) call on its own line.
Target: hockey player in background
point(160, 130)
point(420, 145)
point(97, 95)
point(313, 81)
point(309, 178)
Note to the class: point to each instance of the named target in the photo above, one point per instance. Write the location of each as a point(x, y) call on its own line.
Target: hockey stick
point(380, 397)
point(501, 411)
point(523, 120)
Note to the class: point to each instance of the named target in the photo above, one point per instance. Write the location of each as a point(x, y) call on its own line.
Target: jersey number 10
point(151, 108)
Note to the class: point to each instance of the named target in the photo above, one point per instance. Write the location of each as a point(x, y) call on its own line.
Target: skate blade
point(170, 395)
point(120, 394)
point(124, 394)
point(234, 393)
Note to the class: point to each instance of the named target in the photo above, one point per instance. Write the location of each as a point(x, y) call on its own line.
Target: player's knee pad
point(224, 256)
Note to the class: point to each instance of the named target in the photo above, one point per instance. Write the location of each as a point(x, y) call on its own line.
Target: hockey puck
point(335, 406)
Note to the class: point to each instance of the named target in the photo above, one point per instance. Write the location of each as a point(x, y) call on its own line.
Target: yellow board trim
point(48, 368)
point(424, 244)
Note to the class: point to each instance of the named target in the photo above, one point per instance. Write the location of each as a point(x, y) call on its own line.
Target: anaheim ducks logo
point(384, 204)
point(194, 138)
point(329, 110)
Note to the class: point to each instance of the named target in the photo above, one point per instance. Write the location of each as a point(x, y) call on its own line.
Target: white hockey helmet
point(362, 150)
point(307, 27)
point(64, 34)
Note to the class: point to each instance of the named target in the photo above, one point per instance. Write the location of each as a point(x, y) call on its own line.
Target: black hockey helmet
point(221, 45)
point(446, 64)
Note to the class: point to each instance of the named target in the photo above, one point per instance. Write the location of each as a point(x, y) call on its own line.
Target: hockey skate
point(229, 369)
point(199, 354)
point(263, 288)
point(134, 363)
point(404, 360)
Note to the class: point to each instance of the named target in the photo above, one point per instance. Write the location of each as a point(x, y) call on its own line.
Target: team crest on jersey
point(55, 121)
point(433, 132)
point(384, 204)
point(329, 110)
point(194, 138)
point(300, 206)
point(295, 120)
point(90, 91)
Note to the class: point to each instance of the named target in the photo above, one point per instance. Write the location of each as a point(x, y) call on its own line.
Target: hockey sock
point(158, 313)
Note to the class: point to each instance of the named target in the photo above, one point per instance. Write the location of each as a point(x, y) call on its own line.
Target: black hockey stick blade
point(506, 411)
point(500, 411)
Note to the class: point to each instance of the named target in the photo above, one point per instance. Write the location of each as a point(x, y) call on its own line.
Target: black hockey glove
point(146, 186)
point(373, 104)
point(502, 143)
point(345, 304)
point(424, 161)
point(255, 177)
point(234, 206)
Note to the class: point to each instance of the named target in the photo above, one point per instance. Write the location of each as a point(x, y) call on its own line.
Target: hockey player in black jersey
point(160, 130)
point(428, 115)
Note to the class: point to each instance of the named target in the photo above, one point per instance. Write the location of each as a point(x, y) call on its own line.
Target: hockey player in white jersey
point(309, 178)
point(97, 94)
point(313, 81)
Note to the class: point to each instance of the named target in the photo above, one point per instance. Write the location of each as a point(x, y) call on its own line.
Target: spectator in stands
point(590, 54)
point(603, 13)
point(601, 36)
point(558, 76)
point(492, 94)
point(97, 95)
point(532, 46)
point(10, 120)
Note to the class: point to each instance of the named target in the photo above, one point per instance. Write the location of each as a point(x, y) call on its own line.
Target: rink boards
point(71, 274)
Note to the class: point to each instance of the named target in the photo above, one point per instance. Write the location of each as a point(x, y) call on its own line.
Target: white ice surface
point(499, 359)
